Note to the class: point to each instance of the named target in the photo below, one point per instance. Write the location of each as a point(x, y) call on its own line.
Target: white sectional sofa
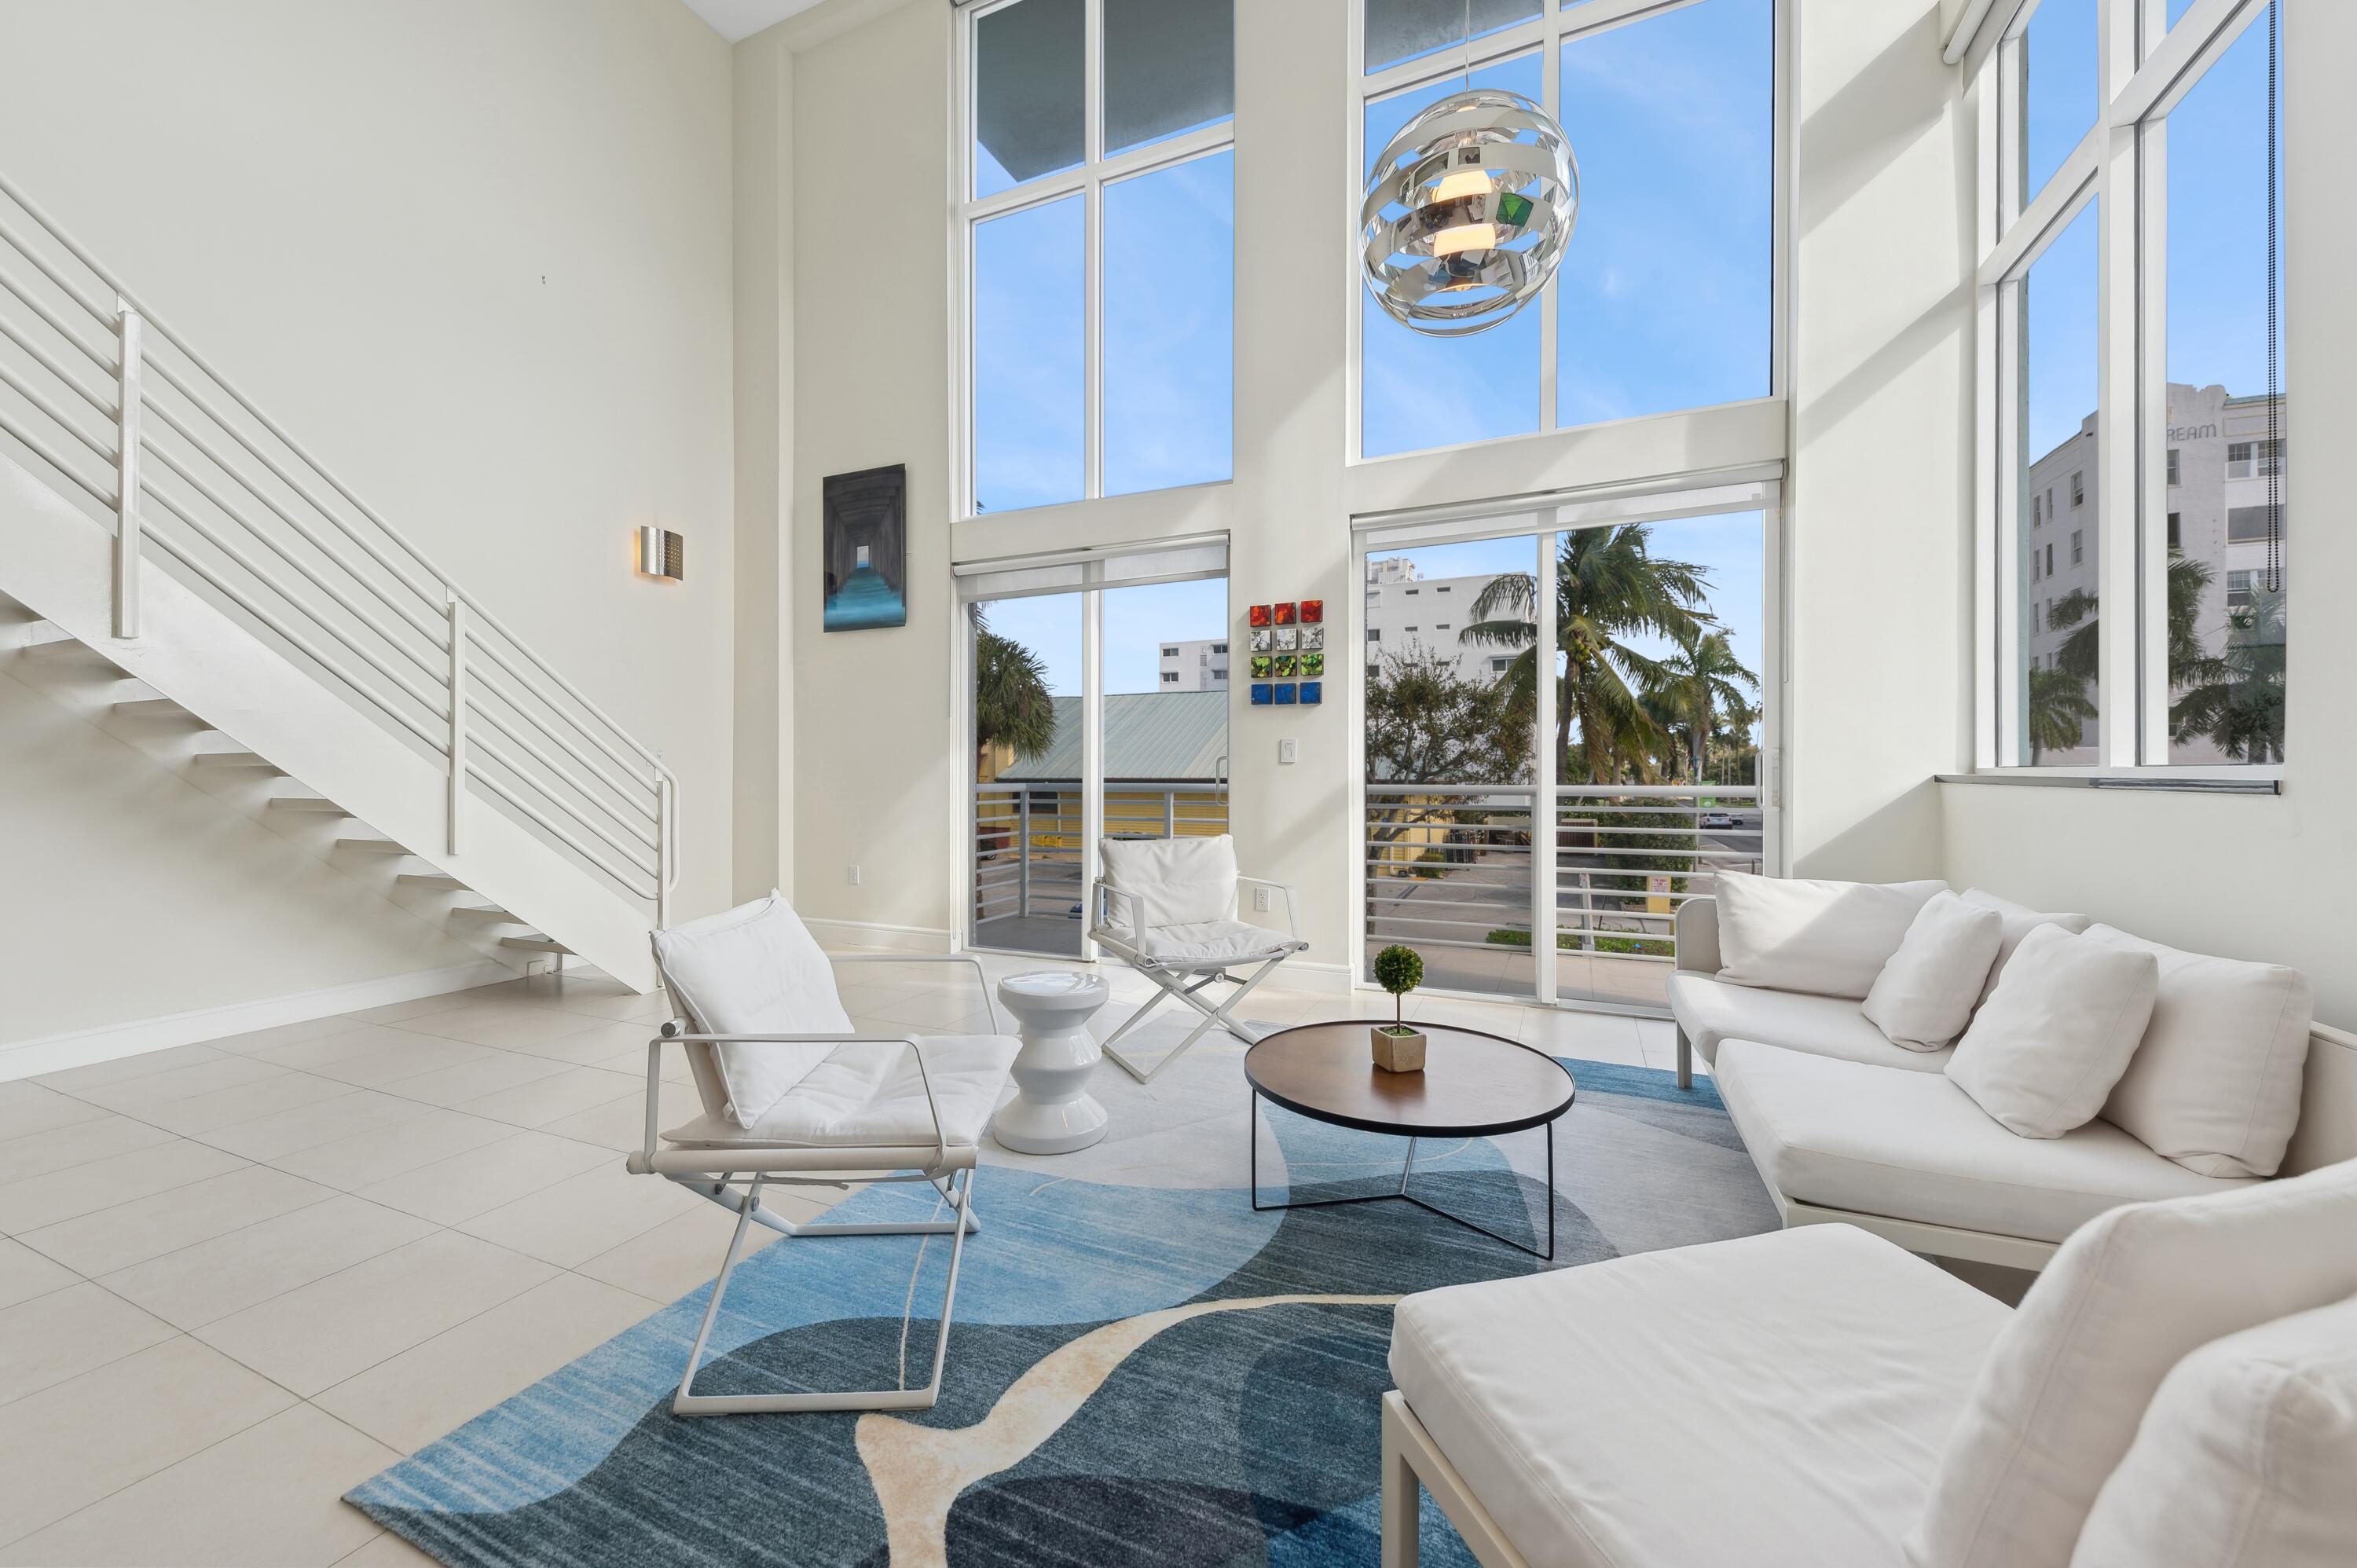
point(1845, 1125)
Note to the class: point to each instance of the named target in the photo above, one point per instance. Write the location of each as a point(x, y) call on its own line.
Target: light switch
point(1288, 751)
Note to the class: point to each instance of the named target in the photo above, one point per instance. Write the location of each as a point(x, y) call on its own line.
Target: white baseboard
point(877, 934)
point(80, 1048)
point(1324, 979)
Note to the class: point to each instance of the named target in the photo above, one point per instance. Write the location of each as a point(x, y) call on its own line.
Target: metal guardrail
point(1028, 836)
point(193, 477)
point(1453, 866)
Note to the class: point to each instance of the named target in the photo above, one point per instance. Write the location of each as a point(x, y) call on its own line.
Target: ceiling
point(735, 19)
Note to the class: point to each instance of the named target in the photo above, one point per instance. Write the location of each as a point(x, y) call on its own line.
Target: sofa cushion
point(753, 970)
point(2215, 1086)
point(1911, 1145)
point(1710, 1010)
point(2128, 1297)
point(1616, 1414)
point(2019, 921)
point(1829, 937)
point(1925, 994)
point(1177, 881)
point(845, 1102)
point(2043, 1054)
point(2245, 1457)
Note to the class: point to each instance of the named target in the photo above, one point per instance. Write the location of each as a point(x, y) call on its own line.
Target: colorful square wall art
point(1284, 690)
point(1312, 611)
point(1313, 637)
point(1285, 612)
point(1313, 693)
point(1260, 615)
point(1260, 666)
point(1313, 664)
point(1260, 693)
point(863, 548)
point(1263, 640)
point(1288, 639)
point(1287, 666)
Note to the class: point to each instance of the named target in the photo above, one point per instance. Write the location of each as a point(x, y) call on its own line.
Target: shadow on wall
point(1881, 111)
point(1899, 842)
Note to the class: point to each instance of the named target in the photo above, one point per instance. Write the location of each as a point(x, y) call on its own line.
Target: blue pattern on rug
point(1243, 1431)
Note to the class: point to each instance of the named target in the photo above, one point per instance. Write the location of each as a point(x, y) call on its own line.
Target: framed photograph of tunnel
point(864, 549)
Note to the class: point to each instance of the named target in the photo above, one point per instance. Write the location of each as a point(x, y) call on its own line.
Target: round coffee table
point(1474, 1086)
point(1052, 1111)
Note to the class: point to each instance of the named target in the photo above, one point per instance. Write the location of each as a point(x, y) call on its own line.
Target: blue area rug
point(1139, 1373)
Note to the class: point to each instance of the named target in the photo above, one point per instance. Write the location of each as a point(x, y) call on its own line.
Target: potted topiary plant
point(1398, 1048)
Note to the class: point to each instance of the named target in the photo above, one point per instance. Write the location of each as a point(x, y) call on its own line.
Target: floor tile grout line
point(326, 1194)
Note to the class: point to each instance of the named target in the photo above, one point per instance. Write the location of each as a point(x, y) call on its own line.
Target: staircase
point(238, 604)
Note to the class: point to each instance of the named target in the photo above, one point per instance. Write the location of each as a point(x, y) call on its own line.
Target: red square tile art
point(1260, 615)
point(1285, 613)
point(1312, 611)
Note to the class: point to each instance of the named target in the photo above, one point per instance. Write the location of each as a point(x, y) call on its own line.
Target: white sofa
point(1845, 1125)
point(1819, 1399)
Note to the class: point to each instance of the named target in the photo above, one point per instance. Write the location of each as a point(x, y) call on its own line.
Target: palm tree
point(1607, 586)
point(1701, 677)
point(1011, 705)
point(2059, 710)
point(2232, 698)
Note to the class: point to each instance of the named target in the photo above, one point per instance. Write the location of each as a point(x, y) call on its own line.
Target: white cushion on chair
point(1213, 941)
point(838, 1107)
point(1776, 1401)
point(1177, 881)
point(753, 970)
point(1830, 938)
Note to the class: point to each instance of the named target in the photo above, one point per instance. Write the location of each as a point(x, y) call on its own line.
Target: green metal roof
point(1148, 735)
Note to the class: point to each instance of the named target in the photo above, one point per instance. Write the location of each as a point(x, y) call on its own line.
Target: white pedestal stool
point(1052, 1111)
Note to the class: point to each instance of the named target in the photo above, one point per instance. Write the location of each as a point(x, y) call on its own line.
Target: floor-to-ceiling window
point(1533, 837)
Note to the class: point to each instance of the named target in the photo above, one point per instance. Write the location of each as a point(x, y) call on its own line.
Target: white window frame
point(1546, 35)
point(1096, 171)
point(2145, 69)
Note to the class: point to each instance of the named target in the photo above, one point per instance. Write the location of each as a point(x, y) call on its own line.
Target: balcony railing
point(1027, 841)
point(1451, 869)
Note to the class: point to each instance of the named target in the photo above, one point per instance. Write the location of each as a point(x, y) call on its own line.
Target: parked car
point(1718, 820)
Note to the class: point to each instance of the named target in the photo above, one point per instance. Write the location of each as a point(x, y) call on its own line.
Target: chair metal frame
point(714, 1174)
point(1183, 979)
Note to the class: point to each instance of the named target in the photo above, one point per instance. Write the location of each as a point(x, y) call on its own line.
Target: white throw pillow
point(1828, 937)
point(2128, 1296)
point(754, 970)
point(2246, 1458)
point(2043, 1053)
point(1179, 882)
point(2019, 921)
point(1924, 995)
point(2216, 1084)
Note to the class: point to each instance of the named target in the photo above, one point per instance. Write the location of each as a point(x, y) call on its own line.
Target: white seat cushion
point(1710, 1010)
point(2243, 1458)
point(1617, 1415)
point(2124, 1300)
point(1830, 938)
point(838, 1107)
point(753, 970)
point(1911, 1145)
point(1209, 941)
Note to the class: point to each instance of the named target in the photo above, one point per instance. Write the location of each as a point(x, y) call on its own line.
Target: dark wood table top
point(1472, 1085)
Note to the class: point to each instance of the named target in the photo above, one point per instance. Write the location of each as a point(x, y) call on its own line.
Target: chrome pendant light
point(1468, 210)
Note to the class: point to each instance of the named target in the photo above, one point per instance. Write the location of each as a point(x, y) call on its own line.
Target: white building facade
point(1404, 609)
point(1195, 666)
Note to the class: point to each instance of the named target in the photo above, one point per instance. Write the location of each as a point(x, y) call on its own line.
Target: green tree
point(1011, 704)
point(1609, 587)
point(2058, 711)
point(1701, 677)
point(1428, 725)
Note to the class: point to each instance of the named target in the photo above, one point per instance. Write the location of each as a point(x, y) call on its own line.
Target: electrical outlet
point(1287, 751)
point(1260, 894)
point(851, 875)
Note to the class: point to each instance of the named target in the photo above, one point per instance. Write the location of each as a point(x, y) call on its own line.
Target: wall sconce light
point(662, 553)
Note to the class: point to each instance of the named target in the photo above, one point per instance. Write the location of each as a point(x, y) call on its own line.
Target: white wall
point(478, 257)
point(2250, 877)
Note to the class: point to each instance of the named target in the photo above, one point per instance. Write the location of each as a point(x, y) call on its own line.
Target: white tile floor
point(237, 1278)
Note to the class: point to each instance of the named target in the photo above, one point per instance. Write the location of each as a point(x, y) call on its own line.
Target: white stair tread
point(535, 944)
point(486, 914)
point(232, 759)
point(312, 805)
point(431, 879)
point(149, 707)
point(373, 846)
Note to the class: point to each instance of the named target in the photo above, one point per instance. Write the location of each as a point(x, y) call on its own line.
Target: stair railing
point(300, 557)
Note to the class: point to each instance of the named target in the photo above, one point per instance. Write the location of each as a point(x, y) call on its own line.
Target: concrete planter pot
point(1398, 1048)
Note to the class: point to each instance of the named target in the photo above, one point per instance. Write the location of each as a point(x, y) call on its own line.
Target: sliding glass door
point(1534, 838)
point(1097, 708)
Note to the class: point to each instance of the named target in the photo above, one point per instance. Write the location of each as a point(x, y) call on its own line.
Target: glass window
point(1027, 816)
point(2061, 92)
point(1169, 326)
point(1027, 90)
point(1665, 290)
point(2226, 563)
point(1169, 66)
point(1029, 346)
point(2056, 703)
point(1403, 29)
point(1419, 392)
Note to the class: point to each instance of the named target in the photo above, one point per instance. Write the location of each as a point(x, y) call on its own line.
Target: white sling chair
point(792, 1095)
point(1168, 907)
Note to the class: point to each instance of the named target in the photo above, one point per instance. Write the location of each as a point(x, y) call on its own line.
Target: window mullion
point(1093, 270)
point(2117, 402)
point(2008, 395)
point(2150, 525)
point(1551, 295)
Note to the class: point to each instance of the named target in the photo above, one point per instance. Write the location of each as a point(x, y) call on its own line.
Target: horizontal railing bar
point(643, 838)
point(42, 450)
point(66, 285)
point(56, 323)
point(491, 750)
point(553, 830)
point(41, 401)
point(107, 410)
point(624, 787)
point(302, 644)
point(501, 659)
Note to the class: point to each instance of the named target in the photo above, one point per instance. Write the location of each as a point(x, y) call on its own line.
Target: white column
point(1091, 752)
point(1543, 837)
